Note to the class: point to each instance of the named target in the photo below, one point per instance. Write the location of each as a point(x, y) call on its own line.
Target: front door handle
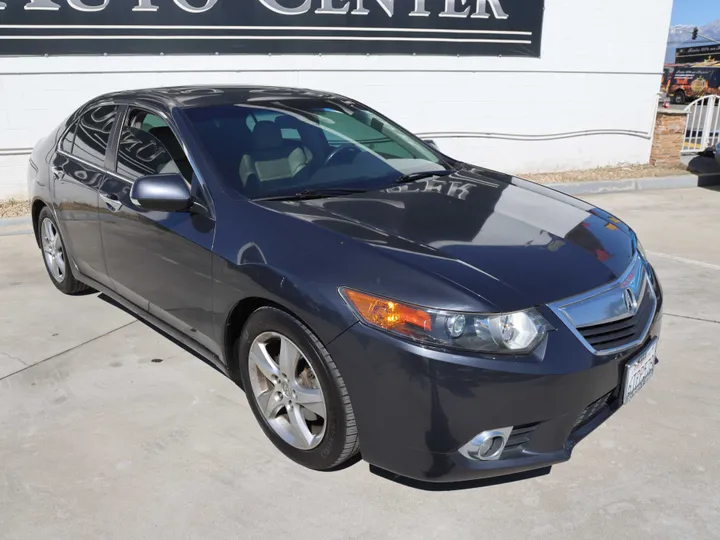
point(111, 201)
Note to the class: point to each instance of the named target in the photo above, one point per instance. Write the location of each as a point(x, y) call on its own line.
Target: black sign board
point(693, 55)
point(423, 27)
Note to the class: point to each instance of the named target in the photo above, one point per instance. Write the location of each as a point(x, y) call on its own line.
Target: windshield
point(300, 145)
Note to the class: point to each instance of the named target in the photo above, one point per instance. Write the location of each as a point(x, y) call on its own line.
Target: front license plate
point(639, 371)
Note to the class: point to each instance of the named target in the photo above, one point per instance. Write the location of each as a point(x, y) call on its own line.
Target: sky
point(695, 12)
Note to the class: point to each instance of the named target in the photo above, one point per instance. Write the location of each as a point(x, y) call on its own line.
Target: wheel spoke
point(56, 241)
point(270, 404)
point(60, 262)
point(311, 399)
point(263, 361)
point(54, 267)
point(299, 427)
point(47, 229)
point(288, 358)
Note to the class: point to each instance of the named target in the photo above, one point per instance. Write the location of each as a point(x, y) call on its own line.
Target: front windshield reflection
point(292, 145)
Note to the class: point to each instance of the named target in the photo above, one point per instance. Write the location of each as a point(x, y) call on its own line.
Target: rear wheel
point(679, 98)
point(56, 257)
point(295, 390)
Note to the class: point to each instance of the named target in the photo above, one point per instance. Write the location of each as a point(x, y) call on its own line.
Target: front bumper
point(416, 406)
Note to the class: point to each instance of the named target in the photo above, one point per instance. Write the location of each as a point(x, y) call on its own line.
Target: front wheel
point(679, 98)
point(296, 391)
point(55, 255)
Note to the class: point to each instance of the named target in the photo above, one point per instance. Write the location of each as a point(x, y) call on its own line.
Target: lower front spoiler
point(456, 468)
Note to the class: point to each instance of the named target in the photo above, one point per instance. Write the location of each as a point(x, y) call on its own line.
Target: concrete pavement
point(97, 440)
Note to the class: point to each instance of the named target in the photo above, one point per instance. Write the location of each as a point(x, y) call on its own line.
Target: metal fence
point(702, 130)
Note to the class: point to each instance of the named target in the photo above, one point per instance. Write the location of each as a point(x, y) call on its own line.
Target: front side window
point(92, 135)
point(303, 144)
point(148, 146)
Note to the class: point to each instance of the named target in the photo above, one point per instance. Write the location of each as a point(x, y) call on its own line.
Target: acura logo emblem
point(631, 302)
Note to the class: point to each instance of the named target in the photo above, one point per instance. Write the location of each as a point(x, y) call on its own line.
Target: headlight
point(501, 333)
point(640, 248)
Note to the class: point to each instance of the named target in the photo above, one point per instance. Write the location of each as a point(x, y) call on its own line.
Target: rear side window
point(66, 145)
point(93, 134)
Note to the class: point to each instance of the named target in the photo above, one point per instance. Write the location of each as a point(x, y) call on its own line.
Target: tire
point(333, 443)
point(679, 98)
point(52, 246)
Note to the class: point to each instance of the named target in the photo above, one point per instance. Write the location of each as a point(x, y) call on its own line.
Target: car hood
point(509, 241)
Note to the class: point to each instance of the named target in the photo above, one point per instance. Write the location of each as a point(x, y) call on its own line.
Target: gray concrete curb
point(15, 221)
point(16, 226)
point(638, 184)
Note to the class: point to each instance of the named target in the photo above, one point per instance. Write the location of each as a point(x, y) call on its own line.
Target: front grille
point(592, 410)
point(620, 333)
point(519, 436)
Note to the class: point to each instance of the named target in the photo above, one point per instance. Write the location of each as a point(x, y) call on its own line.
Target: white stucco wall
point(589, 101)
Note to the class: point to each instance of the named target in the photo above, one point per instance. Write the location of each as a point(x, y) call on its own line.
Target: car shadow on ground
point(160, 331)
point(409, 482)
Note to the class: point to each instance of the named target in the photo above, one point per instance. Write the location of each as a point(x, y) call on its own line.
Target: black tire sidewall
point(679, 98)
point(325, 455)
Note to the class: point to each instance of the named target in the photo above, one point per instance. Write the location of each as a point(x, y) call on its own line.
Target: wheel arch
point(236, 320)
point(36, 208)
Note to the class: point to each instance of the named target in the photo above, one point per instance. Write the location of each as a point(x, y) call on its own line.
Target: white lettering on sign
point(274, 5)
point(420, 10)
point(481, 10)
point(183, 4)
point(145, 5)
point(80, 5)
point(387, 5)
point(453, 8)
point(46, 5)
point(328, 7)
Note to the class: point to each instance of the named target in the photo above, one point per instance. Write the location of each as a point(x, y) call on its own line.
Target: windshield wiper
point(412, 177)
point(313, 194)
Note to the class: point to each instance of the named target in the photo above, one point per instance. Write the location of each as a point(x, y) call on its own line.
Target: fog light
point(488, 445)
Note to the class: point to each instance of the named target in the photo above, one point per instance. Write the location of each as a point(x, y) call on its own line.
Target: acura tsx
point(369, 293)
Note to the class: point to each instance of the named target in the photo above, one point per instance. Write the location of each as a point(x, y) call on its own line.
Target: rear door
point(78, 170)
point(161, 261)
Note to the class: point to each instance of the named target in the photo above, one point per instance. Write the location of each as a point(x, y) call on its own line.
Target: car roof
point(203, 96)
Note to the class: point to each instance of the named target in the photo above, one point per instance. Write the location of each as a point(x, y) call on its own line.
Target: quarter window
point(93, 134)
point(148, 146)
point(66, 145)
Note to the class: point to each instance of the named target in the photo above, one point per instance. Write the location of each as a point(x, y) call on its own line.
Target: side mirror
point(431, 143)
point(162, 193)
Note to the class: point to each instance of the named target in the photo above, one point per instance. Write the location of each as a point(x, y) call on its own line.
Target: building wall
point(589, 101)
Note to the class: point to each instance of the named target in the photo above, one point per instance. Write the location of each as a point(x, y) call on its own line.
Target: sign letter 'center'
point(274, 5)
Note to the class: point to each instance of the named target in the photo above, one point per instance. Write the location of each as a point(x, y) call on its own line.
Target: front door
point(161, 261)
point(78, 170)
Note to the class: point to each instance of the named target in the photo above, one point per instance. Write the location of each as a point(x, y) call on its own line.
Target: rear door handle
point(56, 172)
point(111, 201)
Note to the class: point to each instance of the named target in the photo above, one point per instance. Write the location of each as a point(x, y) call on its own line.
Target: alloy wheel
point(53, 250)
point(287, 390)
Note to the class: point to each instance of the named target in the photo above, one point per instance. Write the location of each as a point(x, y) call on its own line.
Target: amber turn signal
point(388, 314)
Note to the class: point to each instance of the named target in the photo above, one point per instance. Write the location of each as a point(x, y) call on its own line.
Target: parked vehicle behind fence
point(689, 83)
